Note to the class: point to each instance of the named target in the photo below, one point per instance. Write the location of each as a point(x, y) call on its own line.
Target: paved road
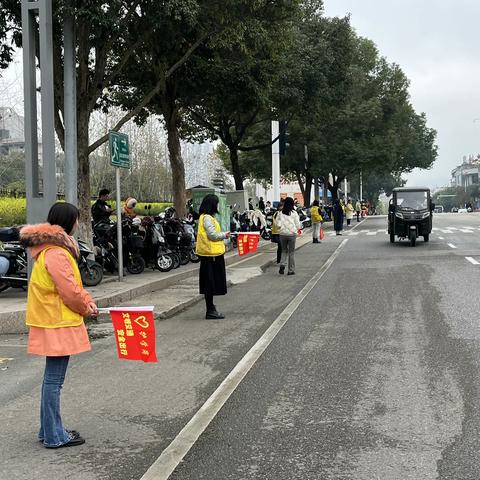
point(374, 376)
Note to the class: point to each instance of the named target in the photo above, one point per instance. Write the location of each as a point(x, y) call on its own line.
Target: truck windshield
point(412, 200)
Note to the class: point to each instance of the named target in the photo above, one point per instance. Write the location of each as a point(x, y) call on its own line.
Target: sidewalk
point(177, 290)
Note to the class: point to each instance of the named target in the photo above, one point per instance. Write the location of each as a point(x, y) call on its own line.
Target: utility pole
point(361, 185)
point(276, 160)
point(70, 104)
point(39, 199)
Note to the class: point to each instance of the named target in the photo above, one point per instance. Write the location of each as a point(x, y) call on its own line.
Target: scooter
point(90, 270)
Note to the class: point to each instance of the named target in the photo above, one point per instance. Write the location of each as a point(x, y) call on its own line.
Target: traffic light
point(284, 137)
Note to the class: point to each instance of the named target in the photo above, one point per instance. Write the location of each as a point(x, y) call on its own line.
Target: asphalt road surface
point(373, 375)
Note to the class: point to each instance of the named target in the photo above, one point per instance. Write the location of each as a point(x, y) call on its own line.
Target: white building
point(468, 173)
point(12, 136)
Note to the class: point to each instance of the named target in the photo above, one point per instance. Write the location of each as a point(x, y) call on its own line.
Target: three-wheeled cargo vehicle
point(410, 214)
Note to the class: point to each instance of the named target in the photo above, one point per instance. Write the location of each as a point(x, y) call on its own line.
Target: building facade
point(468, 173)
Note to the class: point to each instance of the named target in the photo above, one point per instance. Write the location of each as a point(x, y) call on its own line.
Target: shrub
point(13, 211)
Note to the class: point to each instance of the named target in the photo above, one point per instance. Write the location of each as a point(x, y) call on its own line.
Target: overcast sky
point(437, 44)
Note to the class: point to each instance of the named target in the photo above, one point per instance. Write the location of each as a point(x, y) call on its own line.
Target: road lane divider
point(451, 245)
point(171, 457)
point(472, 261)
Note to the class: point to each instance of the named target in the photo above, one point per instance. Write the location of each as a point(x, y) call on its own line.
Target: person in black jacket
point(101, 210)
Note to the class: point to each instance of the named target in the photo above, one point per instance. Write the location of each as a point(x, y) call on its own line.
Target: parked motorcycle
point(90, 270)
point(13, 260)
point(155, 251)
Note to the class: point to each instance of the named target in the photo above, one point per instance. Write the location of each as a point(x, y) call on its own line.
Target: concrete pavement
point(375, 375)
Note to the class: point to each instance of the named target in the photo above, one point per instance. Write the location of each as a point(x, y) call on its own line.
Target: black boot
point(282, 269)
point(214, 315)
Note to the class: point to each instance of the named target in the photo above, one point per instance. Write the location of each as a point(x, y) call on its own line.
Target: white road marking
point(452, 228)
point(171, 457)
point(472, 261)
point(441, 238)
point(451, 245)
point(371, 233)
point(464, 230)
point(352, 234)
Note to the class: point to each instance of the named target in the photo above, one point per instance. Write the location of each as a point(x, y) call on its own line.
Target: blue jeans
point(52, 432)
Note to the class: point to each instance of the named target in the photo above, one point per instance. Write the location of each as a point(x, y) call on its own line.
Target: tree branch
point(186, 56)
point(143, 103)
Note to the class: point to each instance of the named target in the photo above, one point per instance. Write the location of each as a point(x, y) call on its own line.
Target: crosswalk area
point(383, 231)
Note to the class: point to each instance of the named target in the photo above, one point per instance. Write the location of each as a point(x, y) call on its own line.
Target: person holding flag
point(211, 249)
point(56, 305)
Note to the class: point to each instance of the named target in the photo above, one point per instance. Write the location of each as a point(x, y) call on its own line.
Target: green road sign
point(119, 150)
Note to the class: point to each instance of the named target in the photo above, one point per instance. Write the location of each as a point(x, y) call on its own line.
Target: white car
point(462, 210)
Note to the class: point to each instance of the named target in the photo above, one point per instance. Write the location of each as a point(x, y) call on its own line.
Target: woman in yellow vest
point(211, 249)
point(56, 306)
point(317, 220)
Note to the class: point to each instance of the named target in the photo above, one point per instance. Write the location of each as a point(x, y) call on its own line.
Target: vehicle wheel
point(4, 286)
point(136, 265)
point(266, 235)
point(392, 238)
point(165, 263)
point(413, 240)
point(194, 258)
point(176, 260)
point(92, 276)
point(426, 238)
point(184, 258)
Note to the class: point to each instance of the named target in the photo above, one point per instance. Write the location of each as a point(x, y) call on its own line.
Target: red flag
point(134, 333)
point(247, 242)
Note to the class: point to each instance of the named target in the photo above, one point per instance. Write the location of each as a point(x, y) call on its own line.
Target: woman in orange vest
point(211, 249)
point(56, 306)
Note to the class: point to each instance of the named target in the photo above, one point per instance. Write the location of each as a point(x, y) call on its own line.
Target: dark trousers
point(279, 252)
point(209, 303)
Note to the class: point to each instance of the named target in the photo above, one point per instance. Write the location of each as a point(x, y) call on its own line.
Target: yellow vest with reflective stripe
point(45, 307)
point(205, 246)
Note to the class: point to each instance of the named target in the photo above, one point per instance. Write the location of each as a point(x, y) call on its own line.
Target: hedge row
point(13, 211)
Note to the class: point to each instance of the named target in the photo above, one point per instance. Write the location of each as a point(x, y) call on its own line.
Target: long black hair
point(209, 205)
point(288, 206)
point(63, 214)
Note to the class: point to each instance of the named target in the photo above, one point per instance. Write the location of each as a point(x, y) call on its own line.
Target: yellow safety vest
point(315, 213)
point(275, 229)
point(205, 246)
point(45, 307)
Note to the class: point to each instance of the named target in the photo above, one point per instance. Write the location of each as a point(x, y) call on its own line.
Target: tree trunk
point(300, 184)
point(175, 154)
point(237, 173)
point(333, 190)
point(307, 196)
point(84, 194)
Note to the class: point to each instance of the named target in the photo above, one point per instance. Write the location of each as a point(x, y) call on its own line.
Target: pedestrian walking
point(56, 305)
point(261, 205)
point(358, 209)
point(349, 210)
point(317, 220)
point(337, 217)
point(211, 249)
point(289, 225)
point(276, 232)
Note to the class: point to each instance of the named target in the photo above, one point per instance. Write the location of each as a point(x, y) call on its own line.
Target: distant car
point(462, 210)
point(438, 209)
point(454, 210)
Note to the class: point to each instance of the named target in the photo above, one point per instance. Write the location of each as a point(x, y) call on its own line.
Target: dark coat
point(337, 217)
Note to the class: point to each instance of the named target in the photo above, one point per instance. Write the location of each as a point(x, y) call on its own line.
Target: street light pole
point(276, 160)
